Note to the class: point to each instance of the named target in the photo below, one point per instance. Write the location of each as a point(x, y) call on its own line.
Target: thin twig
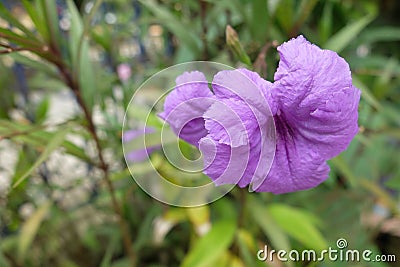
point(25, 132)
point(74, 86)
point(260, 65)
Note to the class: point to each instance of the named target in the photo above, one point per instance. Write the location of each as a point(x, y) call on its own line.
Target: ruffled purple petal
point(315, 96)
point(296, 166)
point(223, 163)
point(316, 115)
point(246, 85)
point(185, 105)
point(234, 123)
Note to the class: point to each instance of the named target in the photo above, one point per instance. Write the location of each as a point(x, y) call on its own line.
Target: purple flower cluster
point(312, 104)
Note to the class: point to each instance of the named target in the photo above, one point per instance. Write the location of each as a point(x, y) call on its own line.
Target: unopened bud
point(232, 40)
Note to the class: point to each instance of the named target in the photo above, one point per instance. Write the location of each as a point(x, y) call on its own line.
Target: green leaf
point(304, 11)
point(51, 17)
point(298, 224)
point(174, 25)
point(285, 14)
point(4, 13)
point(394, 183)
point(19, 39)
point(52, 145)
point(380, 34)
point(24, 162)
point(79, 48)
point(247, 247)
point(106, 261)
point(41, 110)
point(30, 228)
point(38, 138)
point(259, 20)
point(342, 39)
point(343, 167)
point(212, 245)
point(366, 93)
point(383, 83)
point(3, 261)
point(74, 150)
point(271, 229)
point(36, 16)
point(35, 64)
point(325, 24)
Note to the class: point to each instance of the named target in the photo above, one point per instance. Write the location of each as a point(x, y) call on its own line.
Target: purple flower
point(140, 154)
point(312, 104)
point(124, 72)
point(185, 106)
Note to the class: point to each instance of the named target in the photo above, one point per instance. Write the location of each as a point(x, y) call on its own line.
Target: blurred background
point(68, 70)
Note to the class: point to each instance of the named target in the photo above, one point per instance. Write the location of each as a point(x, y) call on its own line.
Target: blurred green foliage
point(49, 220)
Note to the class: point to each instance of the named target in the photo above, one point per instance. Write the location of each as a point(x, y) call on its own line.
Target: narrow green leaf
point(325, 24)
point(4, 13)
point(304, 11)
point(37, 18)
point(74, 150)
point(83, 68)
point(24, 162)
point(394, 183)
point(285, 14)
point(174, 25)
point(3, 261)
point(211, 246)
point(298, 224)
point(34, 135)
point(248, 247)
point(111, 247)
point(76, 31)
point(52, 145)
point(51, 17)
point(19, 39)
point(383, 83)
point(270, 228)
point(342, 39)
point(259, 20)
point(41, 110)
point(366, 93)
point(380, 34)
point(382, 195)
point(30, 228)
point(35, 64)
point(143, 237)
point(344, 169)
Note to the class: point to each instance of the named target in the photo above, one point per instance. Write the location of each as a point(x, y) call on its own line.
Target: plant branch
point(75, 87)
point(260, 65)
